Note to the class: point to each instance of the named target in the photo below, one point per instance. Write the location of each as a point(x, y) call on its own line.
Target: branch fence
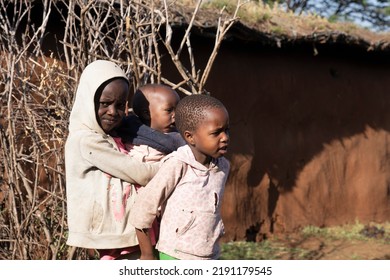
point(37, 87)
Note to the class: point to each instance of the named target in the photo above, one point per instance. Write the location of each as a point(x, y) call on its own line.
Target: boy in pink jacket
point(188, 187)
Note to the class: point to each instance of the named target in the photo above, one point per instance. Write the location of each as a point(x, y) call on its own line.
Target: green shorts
point(166, 257)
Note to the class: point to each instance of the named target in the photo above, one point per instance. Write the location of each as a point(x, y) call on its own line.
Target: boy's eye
point(218, 132)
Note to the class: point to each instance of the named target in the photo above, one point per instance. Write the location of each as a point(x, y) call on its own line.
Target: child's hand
point(147, 250)
point(147, 257)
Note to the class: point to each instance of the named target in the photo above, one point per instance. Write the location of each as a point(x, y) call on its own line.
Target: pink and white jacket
point(190, 197)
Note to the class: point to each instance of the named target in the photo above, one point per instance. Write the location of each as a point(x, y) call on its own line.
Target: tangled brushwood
point(39, 71)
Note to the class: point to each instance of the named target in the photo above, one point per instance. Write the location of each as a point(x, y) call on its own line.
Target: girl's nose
point(112, 110)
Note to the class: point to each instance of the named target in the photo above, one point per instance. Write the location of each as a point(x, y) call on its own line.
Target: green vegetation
point(266, 250)
point(355, 231)
point(317, 243)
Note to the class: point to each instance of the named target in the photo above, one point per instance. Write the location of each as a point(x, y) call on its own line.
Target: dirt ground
point(321, 248)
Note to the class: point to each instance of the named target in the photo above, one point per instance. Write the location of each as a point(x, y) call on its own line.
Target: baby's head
point(203, 121)
point(155, 105)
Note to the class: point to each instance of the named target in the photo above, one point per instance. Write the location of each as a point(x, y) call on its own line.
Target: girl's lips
point(110, 120)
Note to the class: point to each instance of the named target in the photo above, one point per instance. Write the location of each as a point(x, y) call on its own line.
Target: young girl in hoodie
point(99, 175)
point(188, 187)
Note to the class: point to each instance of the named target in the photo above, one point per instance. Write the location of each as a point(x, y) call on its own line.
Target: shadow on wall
point(291, 127)
point(287, 110)
point(294, 117)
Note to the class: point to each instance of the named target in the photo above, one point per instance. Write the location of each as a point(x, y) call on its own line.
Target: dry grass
point(277, 22)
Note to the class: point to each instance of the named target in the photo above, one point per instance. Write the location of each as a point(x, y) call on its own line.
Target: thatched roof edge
point(206, 25)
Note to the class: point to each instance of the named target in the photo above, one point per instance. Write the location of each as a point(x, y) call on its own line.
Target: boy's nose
point(225, 137)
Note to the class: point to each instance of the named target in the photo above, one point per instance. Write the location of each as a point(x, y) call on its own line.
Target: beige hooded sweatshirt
point(98, 175)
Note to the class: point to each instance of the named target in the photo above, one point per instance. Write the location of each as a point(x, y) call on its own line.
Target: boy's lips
point(223, 150)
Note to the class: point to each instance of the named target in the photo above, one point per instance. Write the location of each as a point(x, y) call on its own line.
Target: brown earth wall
point(310, 139)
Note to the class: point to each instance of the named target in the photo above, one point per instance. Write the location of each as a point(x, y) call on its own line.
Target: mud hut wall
point(309, 137)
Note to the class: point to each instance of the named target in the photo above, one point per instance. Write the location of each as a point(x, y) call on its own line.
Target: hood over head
point(83, 115)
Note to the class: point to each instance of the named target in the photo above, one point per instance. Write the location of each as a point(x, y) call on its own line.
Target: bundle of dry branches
point(37, 89)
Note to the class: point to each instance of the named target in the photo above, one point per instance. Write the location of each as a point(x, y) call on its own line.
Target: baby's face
point(162, 110)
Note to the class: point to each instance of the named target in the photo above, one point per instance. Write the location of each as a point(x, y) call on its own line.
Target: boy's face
point(211, 138)
point(111, 106)
point(162, 110)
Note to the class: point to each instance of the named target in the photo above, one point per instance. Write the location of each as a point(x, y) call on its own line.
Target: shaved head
point(154, 104)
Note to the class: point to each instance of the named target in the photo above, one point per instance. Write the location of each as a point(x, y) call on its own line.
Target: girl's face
point(211, 138)
point(111, 106)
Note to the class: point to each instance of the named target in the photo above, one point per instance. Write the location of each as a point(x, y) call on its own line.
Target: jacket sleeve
point(156, 192)
point(102, 154)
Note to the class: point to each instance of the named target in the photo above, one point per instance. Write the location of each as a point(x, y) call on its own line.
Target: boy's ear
point(188, 137)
